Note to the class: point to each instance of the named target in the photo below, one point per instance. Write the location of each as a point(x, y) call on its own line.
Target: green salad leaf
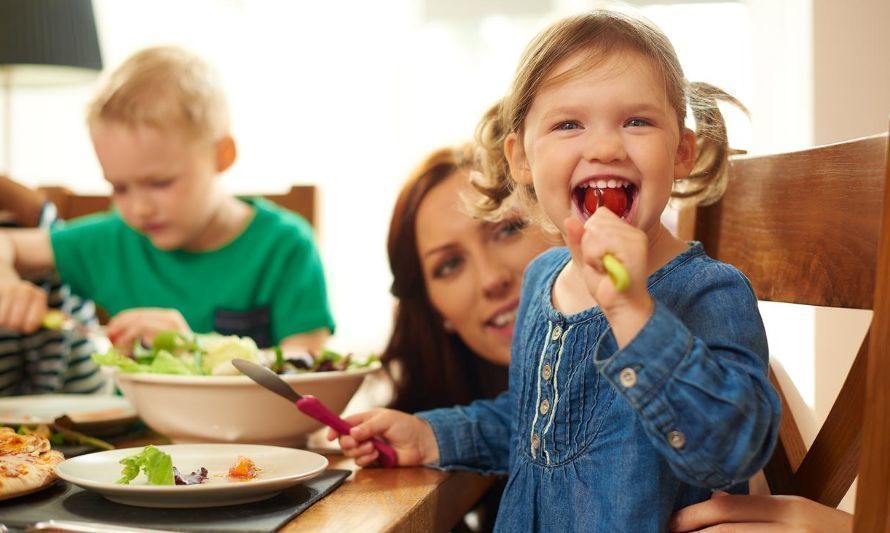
point(122, 362)
point(157, 466)
point(212, 354)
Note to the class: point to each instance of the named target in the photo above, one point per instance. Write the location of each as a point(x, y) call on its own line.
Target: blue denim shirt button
point(557, 331)
point(545, 406)
point(546, 372)
point(676, 439)
point(535, 442)
point(628, 378)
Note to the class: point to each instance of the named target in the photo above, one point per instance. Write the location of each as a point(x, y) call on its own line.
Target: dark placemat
point(64, 501)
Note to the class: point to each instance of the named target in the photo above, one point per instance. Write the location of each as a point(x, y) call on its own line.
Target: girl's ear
point(516, 159)
point(226, 151)
point(686, 153)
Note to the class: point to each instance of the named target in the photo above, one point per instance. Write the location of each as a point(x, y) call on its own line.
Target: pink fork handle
point(310, 406)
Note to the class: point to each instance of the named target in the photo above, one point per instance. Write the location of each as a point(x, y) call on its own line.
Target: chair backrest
point(299, 199)
point(805, 228)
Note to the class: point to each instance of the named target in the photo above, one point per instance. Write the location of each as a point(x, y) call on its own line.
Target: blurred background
point(349, 95)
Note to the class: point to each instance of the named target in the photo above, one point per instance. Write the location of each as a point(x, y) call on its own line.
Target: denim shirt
point(600, 439)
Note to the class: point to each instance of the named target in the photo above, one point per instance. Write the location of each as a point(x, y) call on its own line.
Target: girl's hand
point(724, 512)
point(411, 437)
point(22, 305)
point(143, 323)
point(627, 310)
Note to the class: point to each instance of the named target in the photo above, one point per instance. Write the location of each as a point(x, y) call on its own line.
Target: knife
point(310, 406)
point(73, 526)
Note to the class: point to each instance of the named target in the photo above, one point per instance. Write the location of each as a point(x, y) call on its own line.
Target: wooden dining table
point(410, 499)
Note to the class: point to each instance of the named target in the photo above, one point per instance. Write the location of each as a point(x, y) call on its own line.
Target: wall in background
point(320, 96)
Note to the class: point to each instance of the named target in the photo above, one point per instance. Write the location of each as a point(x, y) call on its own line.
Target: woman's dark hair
point(429, 366)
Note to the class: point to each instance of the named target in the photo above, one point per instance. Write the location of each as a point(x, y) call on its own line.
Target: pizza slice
point(27, 463)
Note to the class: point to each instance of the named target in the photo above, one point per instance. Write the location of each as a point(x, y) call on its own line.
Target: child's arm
point(311, 340)
point(696, 375)
point(476, 436)
point(411, 437)
point(25, 250)
point(22, 304)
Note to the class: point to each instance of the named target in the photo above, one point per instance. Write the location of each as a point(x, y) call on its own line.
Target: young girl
point(623, 405)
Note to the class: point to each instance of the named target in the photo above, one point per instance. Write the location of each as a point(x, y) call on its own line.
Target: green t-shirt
point(268, 283)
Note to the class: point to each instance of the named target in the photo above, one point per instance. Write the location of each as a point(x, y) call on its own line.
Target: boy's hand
point(143, 323)
point(22, 305)
point(604, 232)
point(411, 437)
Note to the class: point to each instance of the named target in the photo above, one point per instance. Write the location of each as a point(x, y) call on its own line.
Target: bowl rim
point(239, 380)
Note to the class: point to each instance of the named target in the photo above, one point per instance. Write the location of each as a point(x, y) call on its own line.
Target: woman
point(457, 282)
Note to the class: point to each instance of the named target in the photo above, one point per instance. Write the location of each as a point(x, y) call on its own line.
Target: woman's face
point(473, 269)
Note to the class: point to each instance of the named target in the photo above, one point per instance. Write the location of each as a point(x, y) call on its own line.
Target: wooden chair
point(299, 199)
point(806, 227)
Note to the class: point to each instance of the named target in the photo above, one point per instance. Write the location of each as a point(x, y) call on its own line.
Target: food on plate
point(243, 470)
point(155, 464)
point(27, 463)
point(195, 478)
point(211, 354)
point(159, 470)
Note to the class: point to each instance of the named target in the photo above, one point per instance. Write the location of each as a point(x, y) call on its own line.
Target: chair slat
point(299, 199)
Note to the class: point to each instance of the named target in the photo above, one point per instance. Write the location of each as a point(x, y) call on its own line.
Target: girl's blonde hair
point(165, 87)
point(600, 34)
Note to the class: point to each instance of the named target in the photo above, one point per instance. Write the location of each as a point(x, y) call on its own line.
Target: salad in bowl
point(186, 388)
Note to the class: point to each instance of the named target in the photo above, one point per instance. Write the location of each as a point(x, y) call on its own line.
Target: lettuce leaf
point(124, 363)
point(157, 466)
point(167, 363)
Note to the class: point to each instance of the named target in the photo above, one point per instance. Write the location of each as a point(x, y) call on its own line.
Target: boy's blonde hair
point(601, 34)
point(165, 87)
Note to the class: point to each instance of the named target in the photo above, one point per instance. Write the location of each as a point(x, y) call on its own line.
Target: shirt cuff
point(452, 434)
point(640, 369)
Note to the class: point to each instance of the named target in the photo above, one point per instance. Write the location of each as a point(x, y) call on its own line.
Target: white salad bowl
point(234, 409)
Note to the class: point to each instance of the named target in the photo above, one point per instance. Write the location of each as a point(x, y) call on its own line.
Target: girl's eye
point(636, 123)
point(118, 190)
point(567, 125)
point(510, 228)
point(447, 266)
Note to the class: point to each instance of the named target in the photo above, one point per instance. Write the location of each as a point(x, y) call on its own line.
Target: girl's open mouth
point(616, 194)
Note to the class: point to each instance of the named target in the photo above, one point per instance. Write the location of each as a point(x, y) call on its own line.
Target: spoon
point(309, 405)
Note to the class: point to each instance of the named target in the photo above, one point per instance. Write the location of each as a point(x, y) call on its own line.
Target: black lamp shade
point(35, 34)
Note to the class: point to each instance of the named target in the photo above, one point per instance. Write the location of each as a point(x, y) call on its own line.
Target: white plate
point(279, 468)
point(81, 408)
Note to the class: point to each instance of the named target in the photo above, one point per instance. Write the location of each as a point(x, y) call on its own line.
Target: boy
point(178, 252)
point(45, 361)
